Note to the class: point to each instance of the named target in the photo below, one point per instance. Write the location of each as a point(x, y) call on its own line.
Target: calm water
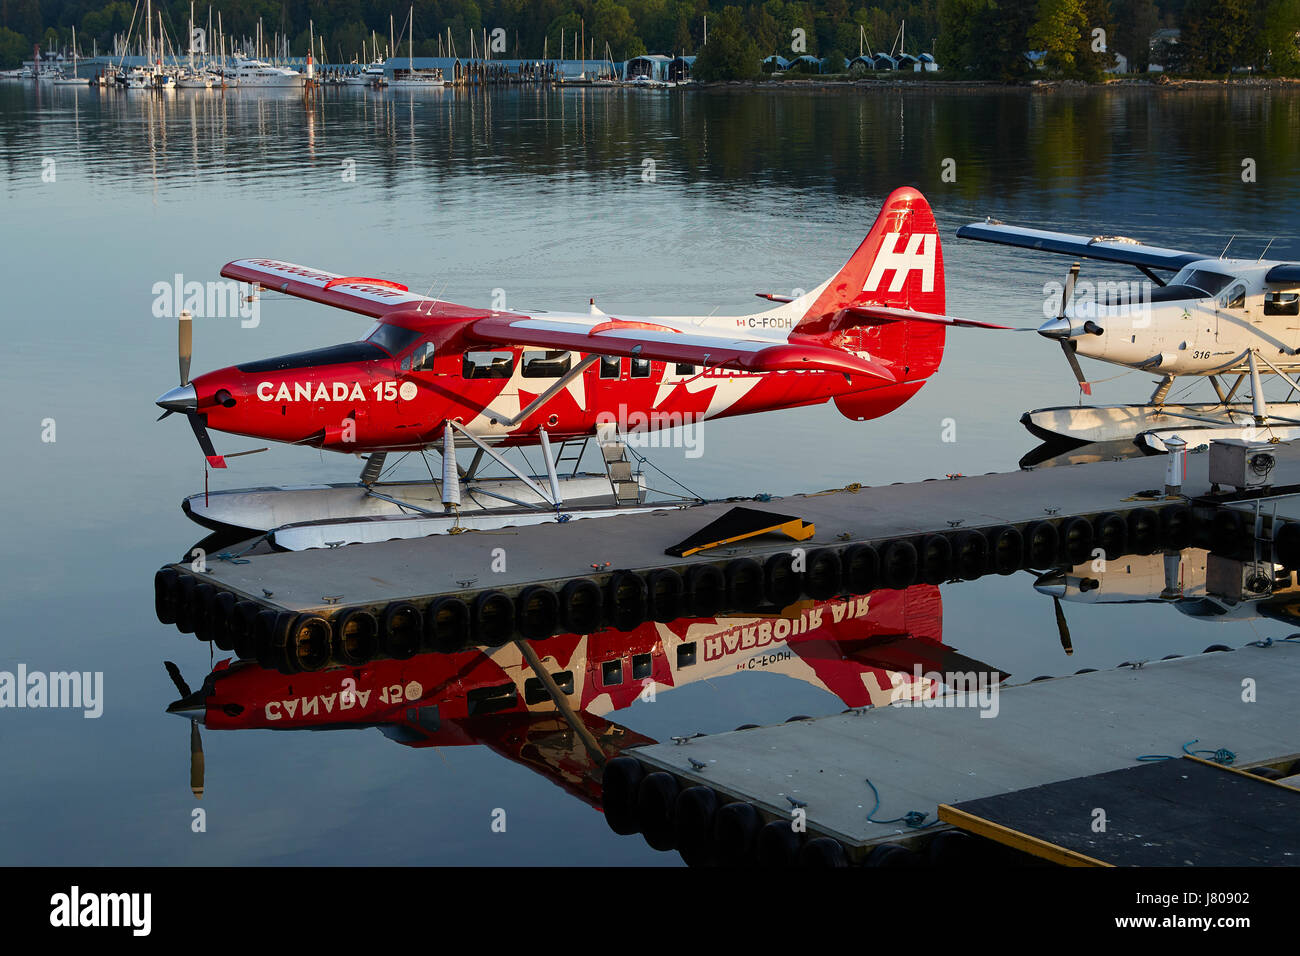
point(542, 195)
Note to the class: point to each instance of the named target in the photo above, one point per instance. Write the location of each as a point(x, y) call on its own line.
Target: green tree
point(13, 48)
point(1065, 30)
point(988, 38)
point(1135, 21)
point(731, 53)
point(1281, 23)
point(1216, 35)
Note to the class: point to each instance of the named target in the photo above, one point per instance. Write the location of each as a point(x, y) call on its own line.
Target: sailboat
point(370, 75)
point(411, 78)
point(192, 78)
point(74, 79)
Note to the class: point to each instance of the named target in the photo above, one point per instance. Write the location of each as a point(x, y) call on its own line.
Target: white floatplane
point(1206, 317)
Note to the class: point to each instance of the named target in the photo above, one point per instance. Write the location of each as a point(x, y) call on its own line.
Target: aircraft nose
point(183, 398)
point(187, 708)
point(1058, 328)
point(1052, 584)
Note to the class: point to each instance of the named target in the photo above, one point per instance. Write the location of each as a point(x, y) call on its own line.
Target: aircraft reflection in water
point(1196, 582)
point(864, 650)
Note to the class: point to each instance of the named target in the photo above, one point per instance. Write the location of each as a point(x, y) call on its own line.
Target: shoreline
point(1143, 85)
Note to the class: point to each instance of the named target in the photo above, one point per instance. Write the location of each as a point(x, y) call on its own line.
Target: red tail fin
point(898, 264)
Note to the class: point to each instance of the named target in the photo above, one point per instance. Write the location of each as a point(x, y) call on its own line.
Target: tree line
point(982, 38)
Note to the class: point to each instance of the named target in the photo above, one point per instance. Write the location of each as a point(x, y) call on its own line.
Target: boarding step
point(626, 491)
point(571, 451)
point(374, 466)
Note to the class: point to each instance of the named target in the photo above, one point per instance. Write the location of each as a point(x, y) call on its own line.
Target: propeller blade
point(1062, 628)
point(185, 344)
point(174, 673)
point(196, 762)
point(1074, 366)
point(1067, 293)
point(200, 429)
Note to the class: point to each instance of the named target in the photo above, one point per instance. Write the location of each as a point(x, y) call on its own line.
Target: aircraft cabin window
point(640, 368)
point(642, 666)
point(488, 365)
point(1208, 282)
point(611, 673)
point(393, 339)
point(1236, 298)
point(549, 364)
point(685, 369)
point(422, 358)
point(535, 692)
point(1282, 303)
point(610, 366)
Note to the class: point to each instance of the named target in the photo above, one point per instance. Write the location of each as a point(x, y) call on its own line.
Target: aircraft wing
point(1283, 272)
point(608, 336)
point(1105, 248)
point(879, 314)
point(373, 297)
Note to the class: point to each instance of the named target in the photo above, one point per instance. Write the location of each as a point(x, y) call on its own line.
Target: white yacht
point(372, 75)
point(194, 80)
point(245, 72)
point(135, 78)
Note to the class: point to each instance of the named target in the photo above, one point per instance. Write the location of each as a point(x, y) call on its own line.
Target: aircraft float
point(431, 374)
point(1196, 315)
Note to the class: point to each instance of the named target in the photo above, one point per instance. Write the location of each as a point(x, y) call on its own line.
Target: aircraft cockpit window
point(422, 358)
point(488, 365)
point(1235, 298)
point(393, 339)
point(1282, 303)
point(1208, 282)
point(548, 364)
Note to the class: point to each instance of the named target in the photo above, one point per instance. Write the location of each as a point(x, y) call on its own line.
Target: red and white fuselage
point(868, 338)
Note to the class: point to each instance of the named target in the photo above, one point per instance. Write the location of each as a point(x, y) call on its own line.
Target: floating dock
point(302, 610)
point(1183, 812)
point(1031, 771)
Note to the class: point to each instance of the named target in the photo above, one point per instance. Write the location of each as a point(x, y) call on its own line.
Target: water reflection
point(862, 651)
point(1060, 148)
point(865, 650)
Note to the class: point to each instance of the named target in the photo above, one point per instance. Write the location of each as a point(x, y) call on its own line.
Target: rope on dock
point(1222, 756)
point(642, 459)
point(852, 488)
point(237, 557)
point(912, 818)
point(1269, 642)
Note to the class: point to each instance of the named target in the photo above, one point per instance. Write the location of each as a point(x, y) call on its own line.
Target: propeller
point(1054, 583)
point(1067, 296)
point(1063, 330)
point(184, 398)
point(1062, 627)
point(187, 707)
